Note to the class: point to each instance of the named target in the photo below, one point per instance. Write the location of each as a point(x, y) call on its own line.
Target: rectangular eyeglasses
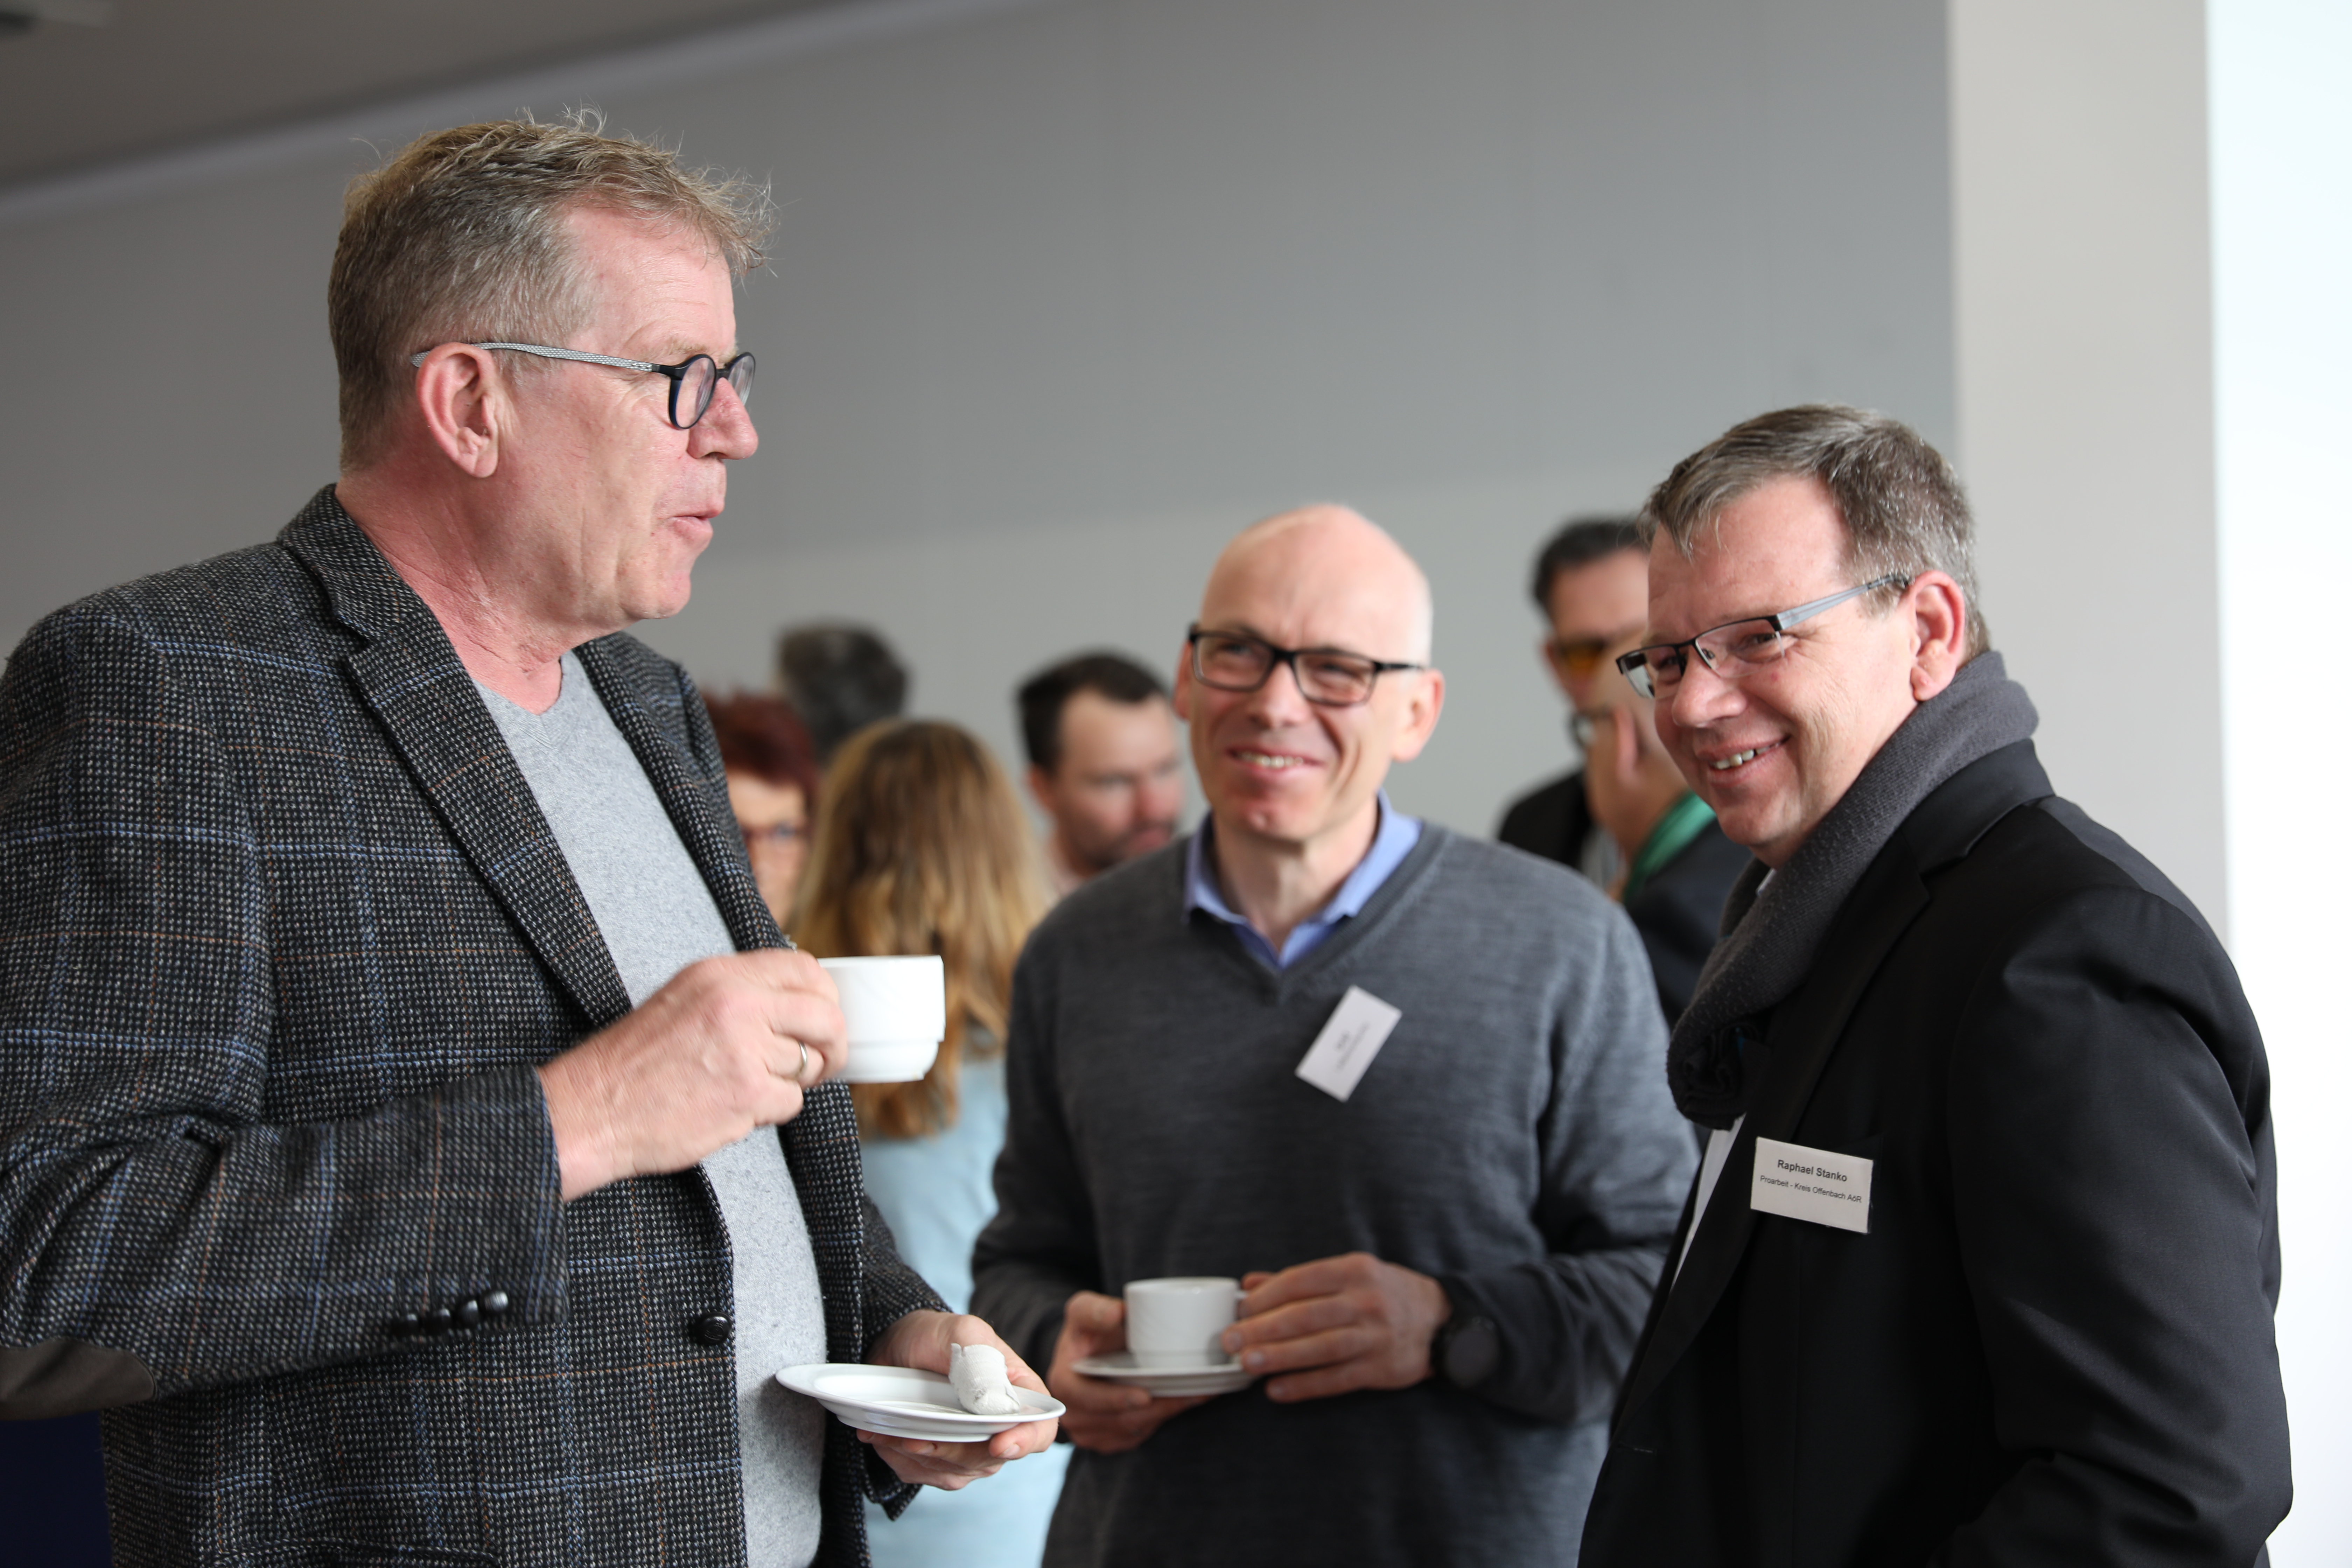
point(1734, 648)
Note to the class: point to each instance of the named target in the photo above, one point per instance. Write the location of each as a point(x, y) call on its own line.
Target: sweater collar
point(1392, 840)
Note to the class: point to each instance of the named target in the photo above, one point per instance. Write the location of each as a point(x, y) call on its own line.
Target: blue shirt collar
point(1392, 840)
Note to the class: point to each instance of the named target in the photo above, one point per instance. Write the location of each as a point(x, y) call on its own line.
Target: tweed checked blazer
point(282, 935)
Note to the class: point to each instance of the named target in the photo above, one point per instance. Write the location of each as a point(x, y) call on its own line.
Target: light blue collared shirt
point(1391, 842)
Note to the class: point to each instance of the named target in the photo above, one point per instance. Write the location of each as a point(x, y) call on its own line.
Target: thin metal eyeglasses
point(700, 376)
point(1733, 649)
point(1328, 678)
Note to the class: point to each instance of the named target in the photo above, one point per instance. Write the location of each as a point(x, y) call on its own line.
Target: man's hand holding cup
point(731, 1043)
point(1106, 1416)
point(1338, 1324)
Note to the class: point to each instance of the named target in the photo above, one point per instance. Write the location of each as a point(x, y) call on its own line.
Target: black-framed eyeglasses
point(1734, 648)
point(692, 383)
point(1329, 678)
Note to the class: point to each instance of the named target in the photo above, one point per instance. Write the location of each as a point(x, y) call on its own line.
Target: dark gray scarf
point(1769, 938)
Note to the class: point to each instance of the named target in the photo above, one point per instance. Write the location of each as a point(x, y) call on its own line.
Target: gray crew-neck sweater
point(656, 916)
point(1513, 1137)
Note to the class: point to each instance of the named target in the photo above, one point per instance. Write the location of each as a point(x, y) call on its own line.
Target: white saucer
point(899, 1401)
point(1169, 1382)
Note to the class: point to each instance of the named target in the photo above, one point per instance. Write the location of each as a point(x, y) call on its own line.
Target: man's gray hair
point(460, 238)
point(1903, 509)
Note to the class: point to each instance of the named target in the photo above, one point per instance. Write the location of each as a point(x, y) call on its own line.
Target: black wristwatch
point(1466, 1349)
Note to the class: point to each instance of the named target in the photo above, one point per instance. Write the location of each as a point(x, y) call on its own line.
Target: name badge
point(1359, 1027)
point(1814, 1185)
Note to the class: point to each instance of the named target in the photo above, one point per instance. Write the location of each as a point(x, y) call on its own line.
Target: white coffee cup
point(897, 1014)
point(1180, 1322)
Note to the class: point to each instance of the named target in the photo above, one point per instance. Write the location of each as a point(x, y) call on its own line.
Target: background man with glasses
point(1590, 585)
point(1624, 819)
point(1982, 1260)
point(1446, 1225)
point(413, 1122)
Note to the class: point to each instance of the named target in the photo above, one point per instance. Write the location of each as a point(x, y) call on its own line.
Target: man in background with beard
point(1103, 764)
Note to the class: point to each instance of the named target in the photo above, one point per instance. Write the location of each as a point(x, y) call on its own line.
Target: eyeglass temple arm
point(418, 357)
point(1802, 612)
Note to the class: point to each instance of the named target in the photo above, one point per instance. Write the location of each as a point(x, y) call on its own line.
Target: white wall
point(1065, 294)
point(2282, 143)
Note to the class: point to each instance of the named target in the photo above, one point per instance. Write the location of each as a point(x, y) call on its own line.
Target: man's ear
point(462, 398)
point(1041, 789)
point(1181, 701)
point(1420, 716)
point(1938, 614)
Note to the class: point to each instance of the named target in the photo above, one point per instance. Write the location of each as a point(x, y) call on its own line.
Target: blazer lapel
point(1803, 1031)
point(696, 804)
point(409, 675)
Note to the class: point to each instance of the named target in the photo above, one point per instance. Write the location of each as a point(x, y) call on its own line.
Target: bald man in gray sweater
point(1448, 1233)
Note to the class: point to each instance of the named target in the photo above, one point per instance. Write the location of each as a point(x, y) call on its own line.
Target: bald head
point(1289, 778)
point(1329, 567)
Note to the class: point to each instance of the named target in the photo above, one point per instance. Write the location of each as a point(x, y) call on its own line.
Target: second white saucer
point(1168, 1382)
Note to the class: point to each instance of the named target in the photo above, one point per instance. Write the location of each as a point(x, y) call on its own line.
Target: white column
point(2282, 161)
point(2083, 341)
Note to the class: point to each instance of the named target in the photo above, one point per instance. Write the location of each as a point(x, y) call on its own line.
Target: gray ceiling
point(164, 72)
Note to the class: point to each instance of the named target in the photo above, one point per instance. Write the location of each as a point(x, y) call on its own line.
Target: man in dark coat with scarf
point(1981, 1262)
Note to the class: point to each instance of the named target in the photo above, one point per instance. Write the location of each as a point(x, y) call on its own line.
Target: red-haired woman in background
point(924, 848)
point(771, 780)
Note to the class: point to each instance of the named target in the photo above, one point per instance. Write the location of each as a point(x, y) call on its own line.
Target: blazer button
point(436, 1322)
point(470, 1313)
point(712, 1328)
point(494, 1303)
point(403, 1326)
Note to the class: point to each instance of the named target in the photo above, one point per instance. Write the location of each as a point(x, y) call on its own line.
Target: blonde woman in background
point(923, 847)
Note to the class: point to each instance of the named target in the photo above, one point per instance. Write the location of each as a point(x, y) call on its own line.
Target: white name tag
point(1812, 1184)
point(1359, 1024)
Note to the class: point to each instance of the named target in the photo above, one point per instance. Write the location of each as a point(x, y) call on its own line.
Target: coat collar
point(1806, 1029)
point(408, 674)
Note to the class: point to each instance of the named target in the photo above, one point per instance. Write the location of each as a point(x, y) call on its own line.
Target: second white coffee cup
point(898, 1015)
point(1180, 1322)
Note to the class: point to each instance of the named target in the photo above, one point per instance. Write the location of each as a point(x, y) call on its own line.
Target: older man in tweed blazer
point(292, 973)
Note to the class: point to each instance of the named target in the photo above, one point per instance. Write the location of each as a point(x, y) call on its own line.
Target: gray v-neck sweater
point(1513, 1136)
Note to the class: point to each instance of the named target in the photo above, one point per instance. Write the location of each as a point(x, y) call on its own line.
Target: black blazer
point(282, 936)
point(2054, 1345)
point(1679, 911)
point(1553, 821)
